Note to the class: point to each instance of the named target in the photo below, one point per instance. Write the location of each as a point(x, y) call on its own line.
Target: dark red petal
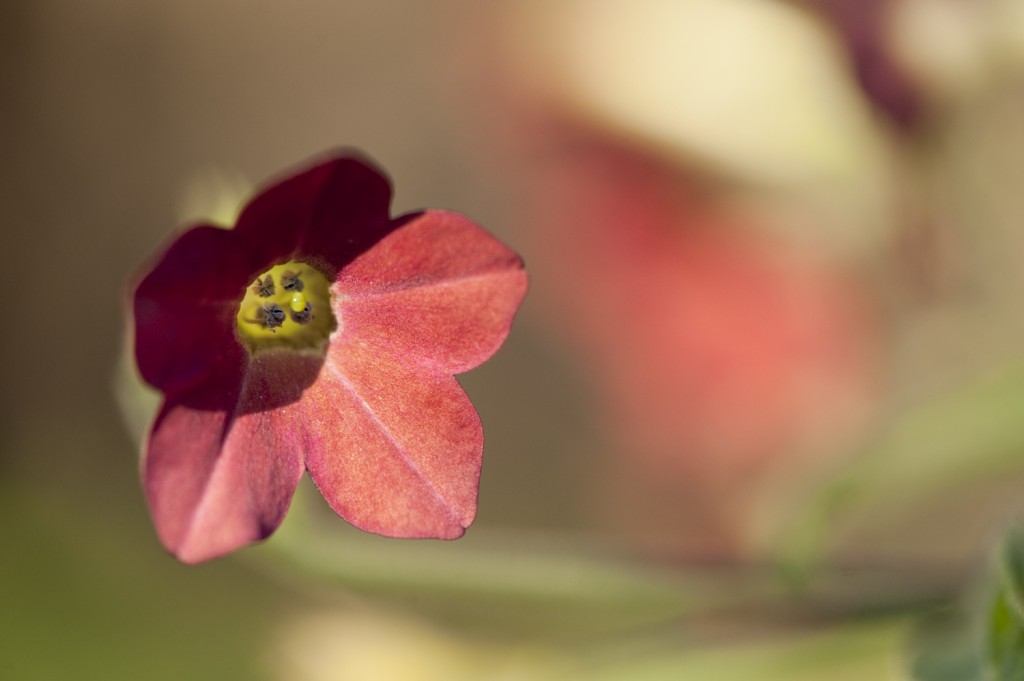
point(438, 291)
point(395, 452)
point(220, 467)
point(862, 25)
point(329, 213)
point(185, 310)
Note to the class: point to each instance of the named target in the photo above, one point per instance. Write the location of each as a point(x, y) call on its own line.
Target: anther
point(303, 316)
point(264, 287)
point(290, 281)
point(270, 315)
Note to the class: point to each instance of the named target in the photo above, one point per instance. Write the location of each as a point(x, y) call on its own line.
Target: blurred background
point(763, 406)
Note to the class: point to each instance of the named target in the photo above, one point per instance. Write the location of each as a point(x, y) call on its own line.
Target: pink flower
point(319, 335)
point(730, 365)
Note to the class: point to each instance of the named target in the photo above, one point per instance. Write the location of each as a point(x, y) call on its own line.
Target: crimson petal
point(327, 214)
point(221, 468)
point(397, 451)
point(185, 310)
point(438, 291)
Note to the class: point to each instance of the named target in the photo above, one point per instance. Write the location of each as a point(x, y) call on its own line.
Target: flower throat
point(288, 308)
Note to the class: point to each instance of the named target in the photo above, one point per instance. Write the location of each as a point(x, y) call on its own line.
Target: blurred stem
point(532, 577)
point(492, 569)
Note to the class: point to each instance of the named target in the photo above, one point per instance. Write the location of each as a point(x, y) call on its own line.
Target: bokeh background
point(764, 403)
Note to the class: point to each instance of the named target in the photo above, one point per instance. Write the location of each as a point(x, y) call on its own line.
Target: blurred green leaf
point(945, 647)
point(984, 639)
point(1005, 631)
point(972, 435)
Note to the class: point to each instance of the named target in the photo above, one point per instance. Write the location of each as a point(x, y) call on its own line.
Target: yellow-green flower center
point(287, 307)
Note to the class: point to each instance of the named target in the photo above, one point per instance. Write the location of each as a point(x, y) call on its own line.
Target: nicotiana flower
point(321, 335)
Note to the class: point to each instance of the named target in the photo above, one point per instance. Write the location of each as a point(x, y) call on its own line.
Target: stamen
point(264, 287)
point(270, 315)
point(290, 281)
point(303, 316)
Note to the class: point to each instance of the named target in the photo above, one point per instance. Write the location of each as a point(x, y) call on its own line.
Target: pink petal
point(438, 291)
point(398, 450)
point(328, 214)
point(222, 463)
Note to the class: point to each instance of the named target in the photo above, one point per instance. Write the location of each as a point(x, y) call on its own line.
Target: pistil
point(288, 307)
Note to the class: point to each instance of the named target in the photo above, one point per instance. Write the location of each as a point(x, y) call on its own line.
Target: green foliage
point(1004, 644)
point(983, 643)
point(967, 438)
point(945, 648)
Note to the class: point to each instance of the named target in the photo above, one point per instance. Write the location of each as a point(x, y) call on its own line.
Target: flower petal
point(329, 213)
point(223, 462)
point(398, 451)
point(438, 291)
point(185, 310)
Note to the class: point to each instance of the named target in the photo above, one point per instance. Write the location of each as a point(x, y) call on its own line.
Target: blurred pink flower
point(352, 383)
point(722, 354)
